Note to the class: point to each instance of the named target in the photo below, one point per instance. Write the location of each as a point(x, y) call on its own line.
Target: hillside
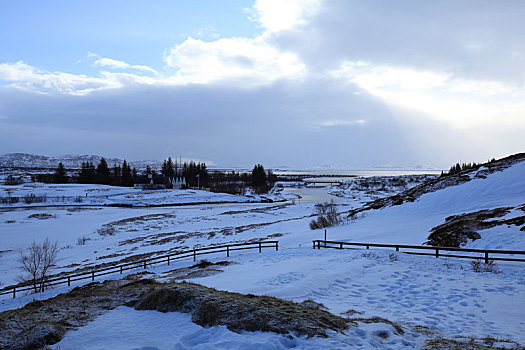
point(25, 160)
point(411, 216)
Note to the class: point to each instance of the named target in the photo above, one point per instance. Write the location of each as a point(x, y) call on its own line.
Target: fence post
point(144, 264)
point(14, 292)
point(92, 275)
point(194, 255)
point(121, 270)
point(367, 247)
point(486, 257)
point(325, 238)
point(437, 253)
point(168, 260)
point(313, 242)
point(277, 246)
point(259, 247)
point(68, 281)
point(397, 248)
point(228, 251)
point(340, 245)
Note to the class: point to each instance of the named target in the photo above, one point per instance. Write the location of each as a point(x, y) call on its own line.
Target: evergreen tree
point(103, 176)
point(127, 177)
point(258, 177)
point(195, 174)
point(60, 174)
point(167, 168)
point(116, 175)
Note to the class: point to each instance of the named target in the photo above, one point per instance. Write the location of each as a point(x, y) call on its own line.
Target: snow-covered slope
point(411, 222)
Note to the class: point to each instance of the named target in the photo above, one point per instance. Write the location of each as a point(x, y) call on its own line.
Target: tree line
point(457, 168)
point(194, 175)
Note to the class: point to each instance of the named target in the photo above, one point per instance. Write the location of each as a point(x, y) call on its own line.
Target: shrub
point(327, 216)
point(32, 198)
point(82, 240)
point(393, 257)
point(479, 265)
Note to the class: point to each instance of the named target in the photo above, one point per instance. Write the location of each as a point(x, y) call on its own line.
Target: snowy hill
point(409, 217)
point(25, 160)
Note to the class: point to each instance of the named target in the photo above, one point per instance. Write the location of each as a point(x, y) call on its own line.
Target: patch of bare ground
point(142, 218)
point(240, 312)
point(42, 216)
point(471, 344)
point(257, 210)
point(397, 327)
point(45, 322)
point(203, 268)
point(74, 210)
point(458, 229)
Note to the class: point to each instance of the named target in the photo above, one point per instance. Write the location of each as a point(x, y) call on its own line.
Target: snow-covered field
point(427, 297)
point(102, 195)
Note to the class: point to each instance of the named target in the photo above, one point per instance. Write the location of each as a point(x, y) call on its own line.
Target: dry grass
point(239, 312)
point(397, 328)
point(471, 344)
point(41, 216)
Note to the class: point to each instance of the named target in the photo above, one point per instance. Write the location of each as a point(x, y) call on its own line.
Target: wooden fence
point(143, 263)
point(437, 251)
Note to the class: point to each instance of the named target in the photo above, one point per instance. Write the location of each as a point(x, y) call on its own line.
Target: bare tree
point(37, 263)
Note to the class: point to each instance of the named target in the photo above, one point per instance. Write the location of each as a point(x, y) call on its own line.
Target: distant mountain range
point(25, 160)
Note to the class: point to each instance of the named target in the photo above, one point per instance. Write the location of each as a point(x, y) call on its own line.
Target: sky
point(287, 83)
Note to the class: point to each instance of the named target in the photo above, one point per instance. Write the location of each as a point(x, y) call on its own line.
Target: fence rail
point(142, 263)
point(437, 251)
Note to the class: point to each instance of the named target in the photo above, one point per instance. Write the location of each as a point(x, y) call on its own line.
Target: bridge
point(322, 182)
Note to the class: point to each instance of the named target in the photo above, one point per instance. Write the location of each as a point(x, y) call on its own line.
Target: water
point(363, 173)
point(312, 194)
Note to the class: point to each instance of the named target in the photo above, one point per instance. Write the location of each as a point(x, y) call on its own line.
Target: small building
point(178, 182)
point(159, 182)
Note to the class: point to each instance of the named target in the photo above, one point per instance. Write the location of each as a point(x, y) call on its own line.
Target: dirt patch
point(239, 312)
point(143, 218)
point(458, 229)
point(471, 344)
point(397, 328)
point(42, 216)
point(257, 210)
point(203, 268)
point(75, 210)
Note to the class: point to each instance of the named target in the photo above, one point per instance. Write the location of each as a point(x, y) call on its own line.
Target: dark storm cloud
point(285, 123)
point(470, 39)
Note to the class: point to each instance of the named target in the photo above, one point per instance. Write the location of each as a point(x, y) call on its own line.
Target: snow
point(96, 195)
point(444, 295)
point(410, 223)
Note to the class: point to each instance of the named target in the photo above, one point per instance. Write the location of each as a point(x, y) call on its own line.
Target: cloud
point(326, 82)
point(26, 77)
point(252, 60)
point(473, 40)
point(116, 64)
point(278, 15)
point(460, 102)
